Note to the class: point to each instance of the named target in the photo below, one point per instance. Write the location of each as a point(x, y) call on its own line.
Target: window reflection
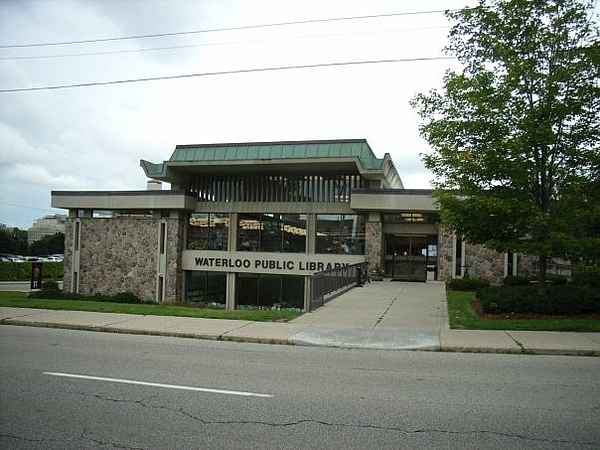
point(208, 231)
point(207, 289)
point(341, 234)
point(263, 291)
point(285, 233)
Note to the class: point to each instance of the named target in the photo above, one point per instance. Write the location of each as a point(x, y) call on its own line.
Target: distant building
point(46, 226)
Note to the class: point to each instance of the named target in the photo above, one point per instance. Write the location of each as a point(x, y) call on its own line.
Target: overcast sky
point(88, 138)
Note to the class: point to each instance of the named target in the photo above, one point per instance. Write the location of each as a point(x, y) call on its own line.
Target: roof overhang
point(123, 200)
point(343, 157)
point(392, 200)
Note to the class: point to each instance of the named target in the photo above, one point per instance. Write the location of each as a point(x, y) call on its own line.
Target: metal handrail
point(328, 284)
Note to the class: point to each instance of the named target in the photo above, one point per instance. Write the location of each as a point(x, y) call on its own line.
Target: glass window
point(208, 231)
point(458, 260)
point(108, 214)
point(265, 291)
point(412, 217)
point(341, 233)
point(284, 233)
point(208, 289)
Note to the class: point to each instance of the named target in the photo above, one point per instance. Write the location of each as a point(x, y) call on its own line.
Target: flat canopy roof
point(311, 157)
point(123, 200)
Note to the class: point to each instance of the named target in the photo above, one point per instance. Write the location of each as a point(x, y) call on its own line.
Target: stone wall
point(174, 272)
point(68, 256)
point(483, 262)
point(120, 255)
point(526, 264)
point(373, 239)
point(445, 254)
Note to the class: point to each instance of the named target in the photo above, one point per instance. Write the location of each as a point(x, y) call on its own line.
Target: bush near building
point(568, 299)
point(467, 284)
point(589, 275)
point(21, 271)
point(519, 280)
point(50, 291)
point(520, 295)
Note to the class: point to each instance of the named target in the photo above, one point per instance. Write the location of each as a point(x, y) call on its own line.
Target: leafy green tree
point(13, 241)
point(515, 134)
point(48, 245)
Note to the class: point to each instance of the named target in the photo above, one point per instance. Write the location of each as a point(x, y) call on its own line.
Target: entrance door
point(407, 257)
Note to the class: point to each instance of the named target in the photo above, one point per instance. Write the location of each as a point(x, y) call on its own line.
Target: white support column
point(161, 260)
point(307, 291)
point(311, 233)
point(76, 259)
point(230, 296)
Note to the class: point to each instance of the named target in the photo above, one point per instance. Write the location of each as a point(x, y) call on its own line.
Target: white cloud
point(93, 138)
point(38, 176)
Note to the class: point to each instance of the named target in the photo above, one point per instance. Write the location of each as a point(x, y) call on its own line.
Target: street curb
point(521, 351)
point(105, 329)
point(278, 341)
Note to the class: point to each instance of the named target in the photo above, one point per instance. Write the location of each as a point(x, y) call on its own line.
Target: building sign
point(295, 264)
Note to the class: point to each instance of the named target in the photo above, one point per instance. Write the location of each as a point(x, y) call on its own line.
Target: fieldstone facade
point(482, 262)
point(479, 260)
point(121, 255)
point(445, 254)
point(526, 264)
point(68, 258)
point(174, 272)
point(373, 239)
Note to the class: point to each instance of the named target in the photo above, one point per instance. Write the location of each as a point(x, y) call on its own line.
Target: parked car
point(33, 259)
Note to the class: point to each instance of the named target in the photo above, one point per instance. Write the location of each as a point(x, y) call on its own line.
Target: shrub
point(21, 271)
point(520, 280)
point(125, 297)
point(517, 280)
point(560, 300)
point(122, 297)
point(588, 275)
point(467, 284)
point(558, 280)
point(50, 285)
point(48, 293)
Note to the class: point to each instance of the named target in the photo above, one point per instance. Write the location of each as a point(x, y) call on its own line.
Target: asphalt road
point(23, 286)
point(15, 286)
point(73, 389)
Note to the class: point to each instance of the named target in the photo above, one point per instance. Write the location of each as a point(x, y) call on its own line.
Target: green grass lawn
point(20, 300)
point(463, 317)
point(460, 313)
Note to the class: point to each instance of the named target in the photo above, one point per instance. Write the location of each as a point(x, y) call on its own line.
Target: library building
point(250, 225)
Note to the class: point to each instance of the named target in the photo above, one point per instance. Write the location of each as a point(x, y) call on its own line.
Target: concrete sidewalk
point(380, 315)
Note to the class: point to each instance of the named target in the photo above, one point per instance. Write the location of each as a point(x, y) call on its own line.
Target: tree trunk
point(542, 275)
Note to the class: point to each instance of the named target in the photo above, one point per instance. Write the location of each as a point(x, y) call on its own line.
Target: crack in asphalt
point(376, 427)
point(190, 415)
point(104, 443)
point(20, 438)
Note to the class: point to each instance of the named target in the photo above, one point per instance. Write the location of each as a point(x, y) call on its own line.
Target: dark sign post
point(36, 275)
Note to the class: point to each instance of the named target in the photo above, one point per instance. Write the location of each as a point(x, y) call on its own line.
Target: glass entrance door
point(407, 256)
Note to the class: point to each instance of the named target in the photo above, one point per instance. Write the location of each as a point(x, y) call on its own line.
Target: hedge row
point(50, 291)
point(467, 284)
point(560, 300)
point(21, 271)
point(519, 280)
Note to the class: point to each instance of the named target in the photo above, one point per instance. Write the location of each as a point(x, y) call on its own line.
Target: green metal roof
point(203, 157)
point(273, 150)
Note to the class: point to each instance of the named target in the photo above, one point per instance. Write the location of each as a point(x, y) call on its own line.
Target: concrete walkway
point(380, 315)
point(385, 315)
